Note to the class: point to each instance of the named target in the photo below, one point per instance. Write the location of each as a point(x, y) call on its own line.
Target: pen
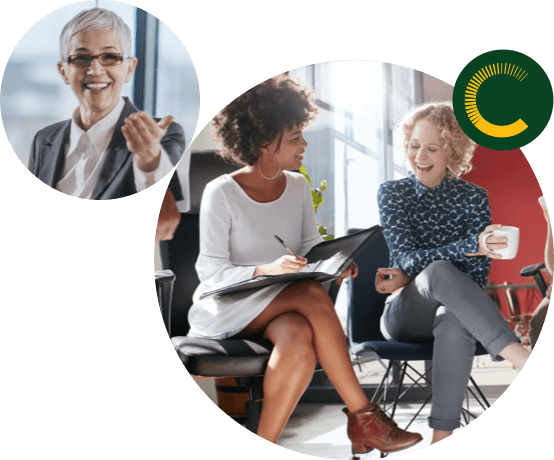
point(288, 249)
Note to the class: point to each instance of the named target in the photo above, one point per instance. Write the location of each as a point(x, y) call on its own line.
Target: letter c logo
point(502, 99)
point(471, 100)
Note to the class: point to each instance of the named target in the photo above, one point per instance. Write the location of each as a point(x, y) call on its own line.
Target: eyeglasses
point(85, 60)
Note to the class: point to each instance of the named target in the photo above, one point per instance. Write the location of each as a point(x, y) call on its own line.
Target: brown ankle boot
point(375, 429)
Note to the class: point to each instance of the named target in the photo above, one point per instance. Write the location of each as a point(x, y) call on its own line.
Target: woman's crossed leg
point(302, 324)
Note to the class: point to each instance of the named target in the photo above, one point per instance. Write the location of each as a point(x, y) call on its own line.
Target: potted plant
point(317, 198)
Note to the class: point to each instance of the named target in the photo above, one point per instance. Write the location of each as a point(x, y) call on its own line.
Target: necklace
point(269, 178)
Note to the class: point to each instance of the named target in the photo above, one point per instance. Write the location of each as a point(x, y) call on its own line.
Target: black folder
point(334, 257)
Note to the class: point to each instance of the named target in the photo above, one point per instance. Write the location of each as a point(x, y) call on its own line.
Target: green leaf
point(304, 172)
point(317, 199)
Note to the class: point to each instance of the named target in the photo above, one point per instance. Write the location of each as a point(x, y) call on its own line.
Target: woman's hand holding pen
point(284, 264)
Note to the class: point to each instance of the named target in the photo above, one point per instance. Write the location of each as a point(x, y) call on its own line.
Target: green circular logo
point(502, 99)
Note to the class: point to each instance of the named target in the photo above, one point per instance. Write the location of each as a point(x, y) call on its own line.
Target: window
point(34, 96)
point(352, 143)
point(177, 88)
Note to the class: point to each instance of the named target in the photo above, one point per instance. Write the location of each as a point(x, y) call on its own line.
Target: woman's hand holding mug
point(498, 242)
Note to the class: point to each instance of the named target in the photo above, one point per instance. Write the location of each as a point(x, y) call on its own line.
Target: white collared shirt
point(87, 150)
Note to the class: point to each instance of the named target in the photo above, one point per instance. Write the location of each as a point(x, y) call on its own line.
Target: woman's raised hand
point(143, 136)
point(284, 264)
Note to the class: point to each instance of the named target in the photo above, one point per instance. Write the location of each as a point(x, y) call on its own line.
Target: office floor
point(320, 430)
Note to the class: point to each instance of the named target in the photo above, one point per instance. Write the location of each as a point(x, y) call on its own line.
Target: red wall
point(513, 191)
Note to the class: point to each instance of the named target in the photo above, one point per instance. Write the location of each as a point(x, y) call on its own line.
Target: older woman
point(434, 224)
point(108, 149)
point(240, 214)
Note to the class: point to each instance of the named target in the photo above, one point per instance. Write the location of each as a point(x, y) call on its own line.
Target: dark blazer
point(116, 178)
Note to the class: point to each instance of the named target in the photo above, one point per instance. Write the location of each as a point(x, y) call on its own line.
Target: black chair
point(366, 341)
point(245, 360)
point(535, 272)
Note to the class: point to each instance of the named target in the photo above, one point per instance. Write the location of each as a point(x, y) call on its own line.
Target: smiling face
point(97, 87)
point(426, 154)
point(290, 152)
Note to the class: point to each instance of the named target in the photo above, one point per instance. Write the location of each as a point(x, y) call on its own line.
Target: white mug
point(512, 235)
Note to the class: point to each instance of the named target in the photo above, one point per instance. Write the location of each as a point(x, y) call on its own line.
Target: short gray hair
point(96, 19)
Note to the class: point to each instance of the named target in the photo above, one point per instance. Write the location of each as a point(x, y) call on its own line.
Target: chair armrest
point(535, 272)
point(164, 289)
point(531, 270)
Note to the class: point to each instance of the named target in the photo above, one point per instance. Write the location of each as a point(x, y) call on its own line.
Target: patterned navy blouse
point(422, 225)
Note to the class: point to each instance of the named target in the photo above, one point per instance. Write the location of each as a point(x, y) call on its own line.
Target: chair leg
point(398, 377)
point(253, 412)
point(254, 404)
point(376, 398)
point(480, 393)
point(380, 395)
point(397, 372)
point(399, 387)
point(480, 398)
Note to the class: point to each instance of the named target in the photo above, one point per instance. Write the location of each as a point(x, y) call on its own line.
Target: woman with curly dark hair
point(240, 214)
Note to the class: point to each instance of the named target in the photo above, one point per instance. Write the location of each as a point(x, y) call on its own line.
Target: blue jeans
point(447, 306)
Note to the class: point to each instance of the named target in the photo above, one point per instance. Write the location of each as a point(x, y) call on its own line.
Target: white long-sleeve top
point(237, 235)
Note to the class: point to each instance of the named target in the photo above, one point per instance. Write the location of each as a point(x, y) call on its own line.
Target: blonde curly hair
point(458, 147)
